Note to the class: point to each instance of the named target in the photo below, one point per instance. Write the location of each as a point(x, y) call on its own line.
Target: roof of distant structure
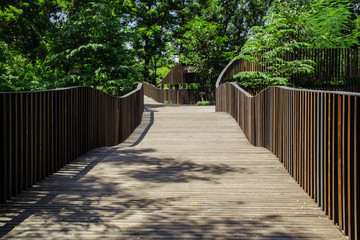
point(176, 74)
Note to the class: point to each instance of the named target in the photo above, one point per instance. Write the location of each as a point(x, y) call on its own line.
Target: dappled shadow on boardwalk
point(164, 170)
point(77, 204)
point(72, 201)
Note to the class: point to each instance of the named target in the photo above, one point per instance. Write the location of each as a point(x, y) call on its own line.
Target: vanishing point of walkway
point(186, 172)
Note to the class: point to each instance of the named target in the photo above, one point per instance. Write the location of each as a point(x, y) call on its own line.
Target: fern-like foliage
point(268, 46)
point(332, 26)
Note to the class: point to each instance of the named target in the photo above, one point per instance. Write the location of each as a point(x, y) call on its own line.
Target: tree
point(235, 19)
point(229, 22)
point(89, 50)
point(281, 34)
point(151, 27)
point(18, 73)
point(104, 43)
point(204, 48)
point(24, 25)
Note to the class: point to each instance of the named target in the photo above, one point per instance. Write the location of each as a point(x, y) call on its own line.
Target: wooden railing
point(316, 136)
point(42, 131)
point(175, 96)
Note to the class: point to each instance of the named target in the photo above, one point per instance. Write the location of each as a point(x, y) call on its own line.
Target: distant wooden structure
point(180, 74)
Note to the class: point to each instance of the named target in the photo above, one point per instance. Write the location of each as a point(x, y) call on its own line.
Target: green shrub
point(167, 102)
point(205, 103)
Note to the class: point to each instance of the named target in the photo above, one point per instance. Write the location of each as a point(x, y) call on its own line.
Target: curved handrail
point(242, 90)
point(149, 84)
point(296, 89)
point(138, 88)
point(223, 72)
point(47, 90)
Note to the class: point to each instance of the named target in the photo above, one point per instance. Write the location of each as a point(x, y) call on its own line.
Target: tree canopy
point(113, 44)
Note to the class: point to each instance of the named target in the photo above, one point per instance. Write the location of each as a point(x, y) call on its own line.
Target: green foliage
point(24, 23)
point(205, 103)
point(192, 86)
point(204, 49)
point(332, 26)
point(152, 26)
point(18, 73)
point(89, 50)
point(290, 25)
point(49, 44)
point(211, 33)
point(233, 17)
point(112, 44)
point(105, 44)
point(268, 47)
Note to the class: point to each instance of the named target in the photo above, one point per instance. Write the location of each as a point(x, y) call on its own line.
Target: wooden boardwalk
point(185, 173)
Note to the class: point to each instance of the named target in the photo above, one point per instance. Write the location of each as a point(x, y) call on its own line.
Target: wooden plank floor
point(186, 173)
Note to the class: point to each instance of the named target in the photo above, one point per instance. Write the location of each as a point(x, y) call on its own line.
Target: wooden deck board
point(185, 173)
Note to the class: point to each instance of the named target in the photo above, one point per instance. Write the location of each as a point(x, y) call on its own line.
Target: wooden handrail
point(137, 89)
point(220, 78)
point(41, 131)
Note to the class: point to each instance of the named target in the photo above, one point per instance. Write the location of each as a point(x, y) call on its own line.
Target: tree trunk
point(155, 70)
point(146, 69)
